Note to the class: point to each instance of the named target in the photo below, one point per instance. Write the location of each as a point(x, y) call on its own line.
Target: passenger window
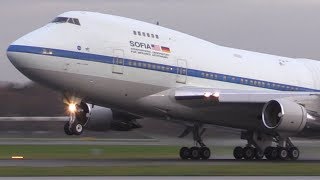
point(148, 34)
point(139, 33)
point(143, 34)
point(157, 36)
point(134, 32)
point(152, 35)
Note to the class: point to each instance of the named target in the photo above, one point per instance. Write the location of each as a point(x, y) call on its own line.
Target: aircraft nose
point(15, 55)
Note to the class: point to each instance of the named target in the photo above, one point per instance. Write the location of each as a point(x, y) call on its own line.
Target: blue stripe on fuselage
point(158, 67)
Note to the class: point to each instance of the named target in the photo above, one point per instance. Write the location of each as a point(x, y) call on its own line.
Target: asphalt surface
point(135, 162)
point(160, 178)
point(50, 133)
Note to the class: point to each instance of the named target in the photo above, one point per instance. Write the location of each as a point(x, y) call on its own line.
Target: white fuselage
point(106, 62)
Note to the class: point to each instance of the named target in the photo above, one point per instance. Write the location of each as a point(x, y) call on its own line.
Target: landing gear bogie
point(195, 153)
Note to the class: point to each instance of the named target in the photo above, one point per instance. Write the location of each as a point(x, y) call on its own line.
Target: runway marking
point(17, 157)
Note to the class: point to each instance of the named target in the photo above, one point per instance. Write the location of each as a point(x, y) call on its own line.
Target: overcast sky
point(282, 27)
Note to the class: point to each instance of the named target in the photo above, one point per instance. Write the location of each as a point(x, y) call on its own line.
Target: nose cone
point(20, 51)
point(15, 54)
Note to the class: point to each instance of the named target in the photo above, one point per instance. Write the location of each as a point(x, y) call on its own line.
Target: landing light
point(207, 94)
point(216, 94)
point(72, 107)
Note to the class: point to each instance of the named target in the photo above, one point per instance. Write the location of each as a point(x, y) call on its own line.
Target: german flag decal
point(165, 49)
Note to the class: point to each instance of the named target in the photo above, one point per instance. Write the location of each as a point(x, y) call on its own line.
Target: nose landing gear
point(78, 118)
point(73, 127)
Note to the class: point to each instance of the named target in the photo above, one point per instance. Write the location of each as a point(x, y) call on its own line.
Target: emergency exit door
point(118, 61)
point(182, 71)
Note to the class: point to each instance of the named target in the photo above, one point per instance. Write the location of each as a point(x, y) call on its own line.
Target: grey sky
point(282, 27)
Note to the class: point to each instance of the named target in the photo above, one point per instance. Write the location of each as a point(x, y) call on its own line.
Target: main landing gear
point(260, 145)
point(199, 151)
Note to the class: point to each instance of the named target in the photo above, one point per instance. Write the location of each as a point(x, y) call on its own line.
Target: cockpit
point(66, 20)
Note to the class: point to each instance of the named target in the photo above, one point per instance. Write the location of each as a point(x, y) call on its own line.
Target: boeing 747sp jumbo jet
point(114, 68)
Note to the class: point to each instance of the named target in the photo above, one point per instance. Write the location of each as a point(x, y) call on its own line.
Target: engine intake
point(284, 116)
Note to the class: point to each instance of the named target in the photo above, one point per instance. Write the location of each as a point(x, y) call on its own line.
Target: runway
point(139, 162)
point(220, 143)
point(160, 178)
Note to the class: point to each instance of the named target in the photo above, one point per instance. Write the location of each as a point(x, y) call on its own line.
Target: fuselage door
point(118, 61)
point(182, 71)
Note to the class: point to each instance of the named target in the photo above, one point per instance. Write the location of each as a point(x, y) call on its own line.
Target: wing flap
point(211, 95)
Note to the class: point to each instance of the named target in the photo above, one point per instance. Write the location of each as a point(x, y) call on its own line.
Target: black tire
point(67, 130)
point(205, 153)
point(274, 153)
point(282, 153)
point(267, 152)
point(258, 155)
point(184, 153)
point(194, 153)
point(238, 152)
point(248, 153)
point(77, 128)
point(294, 153)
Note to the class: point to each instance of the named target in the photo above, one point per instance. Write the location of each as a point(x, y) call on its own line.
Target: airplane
point(103, 63)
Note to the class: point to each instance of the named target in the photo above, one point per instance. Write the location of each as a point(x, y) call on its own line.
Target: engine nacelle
point(99, 118)
point(284, 116)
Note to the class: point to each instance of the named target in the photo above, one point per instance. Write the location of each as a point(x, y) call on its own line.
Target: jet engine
point(284, 116)
point(102, 119)
point(97, 118)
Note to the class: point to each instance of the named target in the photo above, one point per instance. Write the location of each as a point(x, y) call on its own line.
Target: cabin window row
point(139, 33)
point(151, 66)
point(248, 82)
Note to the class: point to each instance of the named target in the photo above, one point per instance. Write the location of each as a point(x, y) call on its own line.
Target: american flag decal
point(155, 47)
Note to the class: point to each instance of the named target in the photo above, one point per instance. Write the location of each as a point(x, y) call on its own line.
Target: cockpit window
point(66, 20)
point(70, 20)
point(76, 21)
point(60, 20)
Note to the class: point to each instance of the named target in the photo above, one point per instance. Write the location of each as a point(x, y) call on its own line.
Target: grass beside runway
point(87, 151)
point(140, 152)
point(93, 151)
point(283, 169)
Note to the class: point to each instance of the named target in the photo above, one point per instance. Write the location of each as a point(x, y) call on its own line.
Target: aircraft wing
point(194, 97)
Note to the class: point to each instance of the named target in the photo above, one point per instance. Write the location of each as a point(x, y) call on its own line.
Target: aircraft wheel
point(282, 153)
point(184, 153)
point(294, 153)
point(258, 154)
point(248, 153)
point(67, 129)
point(77, 128)
point(268, 152)
point(238, 152)
point(195, 153)
point(205, 153)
